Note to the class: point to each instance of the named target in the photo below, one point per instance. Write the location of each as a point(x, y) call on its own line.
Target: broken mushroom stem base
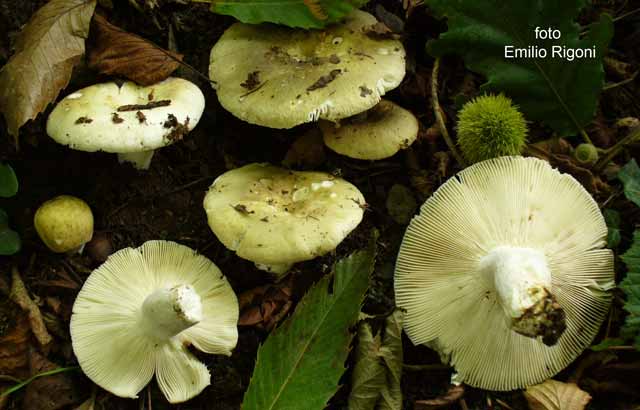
point(140, 160)
point(168, 311)
point(522, 279)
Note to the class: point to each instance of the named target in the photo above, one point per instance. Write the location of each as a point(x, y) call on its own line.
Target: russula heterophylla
point(374, 134)
point(64, 223)
point(136, 314)
point(504, 272)
point(275, 217)
point(280, 77)
point(127, 119)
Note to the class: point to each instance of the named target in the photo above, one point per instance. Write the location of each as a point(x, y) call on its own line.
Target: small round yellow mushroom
point(64, 223)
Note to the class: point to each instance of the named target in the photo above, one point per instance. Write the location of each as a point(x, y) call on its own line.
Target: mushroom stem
point(278, 269)
point(139, 160)
point(522, 279)
point(168, 311)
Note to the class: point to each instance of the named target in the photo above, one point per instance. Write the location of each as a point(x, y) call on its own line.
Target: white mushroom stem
point(139, 160)
point(168, 311)
point(278, 269)
point(522, 279)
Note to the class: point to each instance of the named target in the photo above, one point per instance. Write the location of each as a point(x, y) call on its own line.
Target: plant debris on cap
point(374, 134)
point(280, 77)
point(137, 312)
point(64, 223)
point(504, 272)
point(275, 217)
point(129, 120)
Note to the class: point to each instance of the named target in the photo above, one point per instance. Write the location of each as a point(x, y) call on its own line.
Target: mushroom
point(504, 272)
point(275, 217)
point(374, 134)
point(129, 120)
point(280, 77)
point(137, 311)
point(64, 223)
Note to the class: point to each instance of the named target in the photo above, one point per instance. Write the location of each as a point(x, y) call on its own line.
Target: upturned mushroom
point(137, 312)
point(504, 272)
point(275, 217)
point(375, 134)
point(64, 223)
point(280, 77)
point(127, 119)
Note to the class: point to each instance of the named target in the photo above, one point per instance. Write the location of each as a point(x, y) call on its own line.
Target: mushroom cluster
point(127, 119)
point(275, 217)
point(504, 272)
point(137, 312)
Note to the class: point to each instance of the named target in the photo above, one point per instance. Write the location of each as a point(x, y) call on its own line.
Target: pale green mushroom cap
point(375, 134)
point(127, 119)
point(64, 223)
point(485, 238)
point(275, 217)
point(137, 312)
point(280, 77)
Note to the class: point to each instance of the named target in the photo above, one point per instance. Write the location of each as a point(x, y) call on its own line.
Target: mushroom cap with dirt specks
point(127, 118)
point(273, 216)
point(375, 134)
point(122, 333)
point(280, 77)
point(64, 223)
point(501, 205)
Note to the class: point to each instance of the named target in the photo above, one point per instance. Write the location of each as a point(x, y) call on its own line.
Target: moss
point(490, 126)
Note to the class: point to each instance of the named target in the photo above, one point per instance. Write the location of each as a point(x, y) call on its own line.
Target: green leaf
point(560, 93)
point(9, 240)
point(301, 362)
point(607, 343)
point(8, 181)
point(631, 287)
point(612, 219)
point(292, 13)
point(630, 177)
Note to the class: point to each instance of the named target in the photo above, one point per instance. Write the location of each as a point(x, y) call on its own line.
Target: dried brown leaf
point(114, 51)
point(47, 49)
point(554, 395)
point(265, 306)
point(52, 392)
point(452, 395)
point(21, 297)
point(13, 347)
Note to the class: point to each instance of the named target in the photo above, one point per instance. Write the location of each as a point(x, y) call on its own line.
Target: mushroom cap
point(128, 118)
point(512, 201)
point(376, 134)
point(64, 223)
point(280, 77)
point(119, 354)
point(273, 216)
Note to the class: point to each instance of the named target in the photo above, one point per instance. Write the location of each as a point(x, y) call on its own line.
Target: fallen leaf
point(50, 392)
point(114, 51)
point(554, 395)
point(376, 375)
point(266, 305)
point(21, 297)
point(13, 348)
point(452, 395)
point(47, 49)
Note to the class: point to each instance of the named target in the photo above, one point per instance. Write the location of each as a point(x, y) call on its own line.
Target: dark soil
point(165, 202)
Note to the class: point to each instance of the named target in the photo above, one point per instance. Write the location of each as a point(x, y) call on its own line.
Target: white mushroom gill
point(508, 249)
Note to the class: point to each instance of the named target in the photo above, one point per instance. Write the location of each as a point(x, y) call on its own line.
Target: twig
point(613, 151)
point(437, 111)
point(620, 83)
point(503, 404)
point(422, 367)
